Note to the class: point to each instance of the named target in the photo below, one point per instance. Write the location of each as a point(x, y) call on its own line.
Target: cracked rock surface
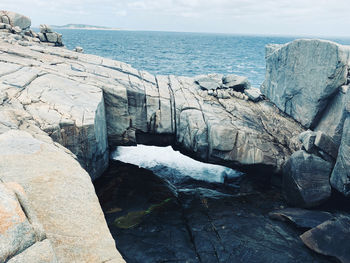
point(202, 222)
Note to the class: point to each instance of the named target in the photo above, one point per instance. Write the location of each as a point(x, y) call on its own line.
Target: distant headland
point(83, 26)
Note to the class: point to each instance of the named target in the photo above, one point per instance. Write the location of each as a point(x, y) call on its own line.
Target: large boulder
point(303, 75)
point(61, 194)
point(340, 178)
point(306, 179)
point(15, 19)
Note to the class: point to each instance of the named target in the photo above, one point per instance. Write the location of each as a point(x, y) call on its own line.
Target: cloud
point(251, 16)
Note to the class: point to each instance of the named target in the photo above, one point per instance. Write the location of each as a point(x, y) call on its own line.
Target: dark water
point(186, 54)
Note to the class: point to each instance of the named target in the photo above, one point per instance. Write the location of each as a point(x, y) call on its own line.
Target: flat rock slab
point(301, 218)
point(332, 238)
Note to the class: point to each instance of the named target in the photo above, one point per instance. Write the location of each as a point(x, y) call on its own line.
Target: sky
point(267, 17)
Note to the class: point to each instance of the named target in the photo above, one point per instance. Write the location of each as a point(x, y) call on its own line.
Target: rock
point(253, 94)
point(206, 223)
point(308, 138)
point(326, 144)
point(340, 178)
point(208, 82)
point(40, 252)
point(332, 238)
point(18, 231)
point(303, 87)
point(51, 37)
point(306, 180)
point(301, 218)
point(3, 26)
point(45, 29)
point(332, 120)
point(79, 49)
point(70, 213)
point(236, 82)
point(16, 30)
point(42, 37)
point(15, 19)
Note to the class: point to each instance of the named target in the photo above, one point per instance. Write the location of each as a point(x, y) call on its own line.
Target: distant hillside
point(82, 26)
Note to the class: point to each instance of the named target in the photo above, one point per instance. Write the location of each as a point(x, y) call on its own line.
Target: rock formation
point(61, 111)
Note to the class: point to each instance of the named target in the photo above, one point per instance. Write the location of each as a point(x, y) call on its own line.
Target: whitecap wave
point(151, 157)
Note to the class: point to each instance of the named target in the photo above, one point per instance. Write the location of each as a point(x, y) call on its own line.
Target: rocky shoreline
point(62, 111)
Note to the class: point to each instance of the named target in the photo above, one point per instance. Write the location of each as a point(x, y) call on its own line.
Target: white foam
point(151, 156)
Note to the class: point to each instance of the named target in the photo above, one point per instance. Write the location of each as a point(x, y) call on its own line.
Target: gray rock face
point(340, 178)
point(306, 179)
point(332, 120)
point(302, 76)
point(301, 218)
point(236, 82)
point(15, 19)
point(253, 94)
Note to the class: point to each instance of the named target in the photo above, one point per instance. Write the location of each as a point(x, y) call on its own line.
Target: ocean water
point(186, 54)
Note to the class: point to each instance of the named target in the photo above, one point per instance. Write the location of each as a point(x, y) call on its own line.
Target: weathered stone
point(42, 37)
point(45, 29)
point(253, 94)
point(79, 49)
point(300, 217)
point(40, 252)
point(15, 19)
point(51, 37)
point(62, 195)
point(306, 180)
point(236, 82)
point(333, 117)
point(332, 238)
point(210, 82)
point(16, 231)
point(326, 144)
point(340, 178)
point(307, 138)
point(302, 76)
point(16, 30)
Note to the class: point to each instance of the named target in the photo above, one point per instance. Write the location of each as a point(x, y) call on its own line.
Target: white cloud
point(236, 16)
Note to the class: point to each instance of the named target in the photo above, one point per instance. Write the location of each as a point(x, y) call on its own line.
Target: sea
point(184, 54)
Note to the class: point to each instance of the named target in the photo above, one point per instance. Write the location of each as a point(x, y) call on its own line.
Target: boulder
point(332, 120)
point(331, 238)
point(209, 82)
point(253, 94)
point(340, 178)
point(302, 76)
point(15, 19)
point(326, 144)
point(301, 218)
point(62, 195)
point(45, 29)
point(51, 37)
point(306, 180)
point(79, 49)
point(307, 138)
point(236, 82)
